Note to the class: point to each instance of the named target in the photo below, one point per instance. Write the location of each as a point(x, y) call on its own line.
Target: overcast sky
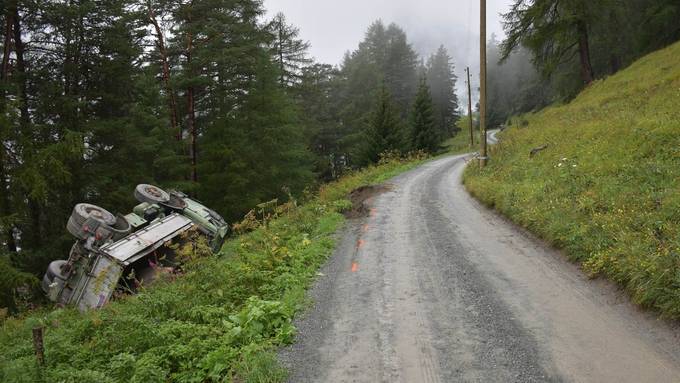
point(334, 27)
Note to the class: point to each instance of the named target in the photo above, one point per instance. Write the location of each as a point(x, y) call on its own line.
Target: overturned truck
point(116, 253)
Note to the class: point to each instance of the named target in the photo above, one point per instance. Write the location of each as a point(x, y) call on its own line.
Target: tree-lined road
point(434, 287)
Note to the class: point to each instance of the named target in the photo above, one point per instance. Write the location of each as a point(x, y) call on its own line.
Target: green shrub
point(11, 283)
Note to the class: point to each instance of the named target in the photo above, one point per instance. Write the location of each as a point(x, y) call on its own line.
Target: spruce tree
point(384, 59)
point(554, 31)
point(248, 158)
point(288, 50)
point(423, 129)
point(215, 46)
point(385, 131)
point(317, 100)
point(400, 68)
point(441, 81)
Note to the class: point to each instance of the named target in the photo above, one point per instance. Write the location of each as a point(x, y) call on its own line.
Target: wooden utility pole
point(482, 84)
point(472, 135)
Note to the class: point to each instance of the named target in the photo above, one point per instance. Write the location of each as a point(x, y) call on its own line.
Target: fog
point(334, 27)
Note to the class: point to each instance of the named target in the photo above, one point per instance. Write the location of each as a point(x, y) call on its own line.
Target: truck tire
point(53, 272)
point(176, 202)
point(84, 211)
point(151, 194)
point(121, 229)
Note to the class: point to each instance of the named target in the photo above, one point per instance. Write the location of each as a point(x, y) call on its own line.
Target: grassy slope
point(219, 322)
point(460, 143)
point(607, 189)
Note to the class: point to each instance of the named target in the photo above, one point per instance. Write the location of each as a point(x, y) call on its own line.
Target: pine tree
point(214, 47)
point(288, 50)
point(385, 130)
point(320, 113)
point(250, 156)
point(74, 117)
point(442, 84)
point(155, 12)
point(400, 68)
point(423, 129)
point(384, 59)
point(554, 31)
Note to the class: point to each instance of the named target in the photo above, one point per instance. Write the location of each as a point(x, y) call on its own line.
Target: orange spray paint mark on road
point(373, 211)
point(360, 243)
point(364, 228)
point(355, 267)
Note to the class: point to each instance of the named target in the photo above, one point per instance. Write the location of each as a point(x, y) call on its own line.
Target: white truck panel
point(140, 243)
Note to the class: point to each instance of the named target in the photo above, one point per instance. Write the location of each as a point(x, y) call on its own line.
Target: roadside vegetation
point(460, 142)
point(220, 321)
point(606, 189)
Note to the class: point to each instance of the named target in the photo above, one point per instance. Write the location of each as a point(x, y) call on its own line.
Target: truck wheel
point(176, 202)
point(82, 212)
point(151, 194)
point(121, 229)
point(53, 271)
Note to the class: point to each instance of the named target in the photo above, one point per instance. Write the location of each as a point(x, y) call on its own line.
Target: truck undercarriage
point(115, 254)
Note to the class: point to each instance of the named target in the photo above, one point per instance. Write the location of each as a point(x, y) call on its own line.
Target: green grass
point(607, 188)
point(222, 321)
point(460, 143)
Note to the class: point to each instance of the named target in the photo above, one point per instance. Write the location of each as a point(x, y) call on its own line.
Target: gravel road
point(434, 287)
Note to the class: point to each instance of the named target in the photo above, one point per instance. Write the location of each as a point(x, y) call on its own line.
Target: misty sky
point(334, 27)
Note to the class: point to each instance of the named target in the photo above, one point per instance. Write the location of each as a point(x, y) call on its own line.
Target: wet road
point(433, 287)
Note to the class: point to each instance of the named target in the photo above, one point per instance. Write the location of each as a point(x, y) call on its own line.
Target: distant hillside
point(607, 187)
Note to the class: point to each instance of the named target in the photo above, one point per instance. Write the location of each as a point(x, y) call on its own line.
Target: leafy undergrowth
point(221, 321)
point(607, 187)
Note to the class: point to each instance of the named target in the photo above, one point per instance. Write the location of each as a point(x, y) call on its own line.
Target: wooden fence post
point(38, 345)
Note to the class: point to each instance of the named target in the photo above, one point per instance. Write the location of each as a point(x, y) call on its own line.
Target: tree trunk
point(5, 202)
point(166, 74)
point(280, 52)
point(7, 45)
point(192, 129)
point(192, 111)
point(584, 53)
point(21, 69)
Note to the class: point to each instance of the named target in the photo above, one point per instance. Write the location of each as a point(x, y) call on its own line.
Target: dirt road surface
point(434, 287)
